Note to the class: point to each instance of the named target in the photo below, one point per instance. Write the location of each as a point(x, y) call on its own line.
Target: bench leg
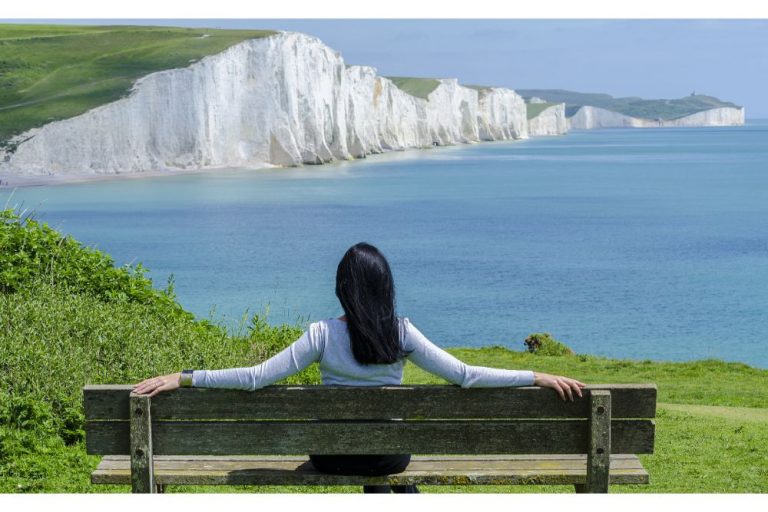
point(598, 456)
point(580, 488)
point(142, 461)
point(160, 488)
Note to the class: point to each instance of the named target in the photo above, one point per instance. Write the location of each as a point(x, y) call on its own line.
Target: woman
point(368, 346)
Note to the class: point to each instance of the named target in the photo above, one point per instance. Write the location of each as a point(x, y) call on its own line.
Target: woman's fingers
point(140, 387)
point(147, 386)
point(556, 386)
point(141, 384)
point(164, 387)
point(579, 383)
point(574, 386)
point(563, 383)
point(567, 387)
point(154, 385)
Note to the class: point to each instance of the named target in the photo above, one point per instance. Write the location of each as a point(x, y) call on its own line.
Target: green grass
point(746, 414)
point(69, 318)
point(630, 106)
point(52, 72)
point(534, 109)
point(479, 88)
point(419, 87)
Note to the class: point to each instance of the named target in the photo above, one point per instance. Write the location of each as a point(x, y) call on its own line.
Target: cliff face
point(725, 116)
point(551, 121)
point(587, 118)
point(501, 114)
point(281, 100)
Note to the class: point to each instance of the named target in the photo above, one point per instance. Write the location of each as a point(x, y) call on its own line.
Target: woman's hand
point(563, 385)
point(157, 385)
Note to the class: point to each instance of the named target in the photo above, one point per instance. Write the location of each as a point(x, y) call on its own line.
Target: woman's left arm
point(297, 356)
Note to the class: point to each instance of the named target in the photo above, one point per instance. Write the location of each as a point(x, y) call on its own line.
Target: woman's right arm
point(294, 358)
point(433, 359)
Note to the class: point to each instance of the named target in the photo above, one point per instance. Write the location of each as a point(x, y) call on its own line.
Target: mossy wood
point(600, 441)
point(499, 428)
point(142, 467)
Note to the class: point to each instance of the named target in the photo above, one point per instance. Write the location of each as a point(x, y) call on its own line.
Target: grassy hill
point(69, 317)
point(631, 106)
point(51, 72)
point(419, 87)
point(534, 109)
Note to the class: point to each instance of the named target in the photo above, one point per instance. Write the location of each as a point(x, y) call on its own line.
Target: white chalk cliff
point(587, 118)
point(286, 99)
point(501, 115)
point(550, 121)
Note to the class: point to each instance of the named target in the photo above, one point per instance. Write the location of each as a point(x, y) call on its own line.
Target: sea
point(647, 244)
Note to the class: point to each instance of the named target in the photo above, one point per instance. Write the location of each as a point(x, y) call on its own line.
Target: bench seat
point(426, 470)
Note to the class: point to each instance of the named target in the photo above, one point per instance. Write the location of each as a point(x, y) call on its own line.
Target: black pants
point(366, 465)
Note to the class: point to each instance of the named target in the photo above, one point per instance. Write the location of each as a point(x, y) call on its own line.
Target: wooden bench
point(491, 436)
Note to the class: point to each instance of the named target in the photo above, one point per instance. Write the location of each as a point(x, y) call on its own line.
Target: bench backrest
point(281, 420)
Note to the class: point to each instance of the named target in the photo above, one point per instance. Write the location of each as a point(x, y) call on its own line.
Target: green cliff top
point(534, 109)
point(478, 88)
point(419, 87)
point(52, 72)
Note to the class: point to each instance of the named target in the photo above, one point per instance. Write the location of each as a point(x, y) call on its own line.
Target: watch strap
point(185, 381)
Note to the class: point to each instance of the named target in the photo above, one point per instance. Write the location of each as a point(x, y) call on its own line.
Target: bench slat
point(436, 437)
point(110, 402)
point(487, 457)
point(424, 465)
point(510, 470)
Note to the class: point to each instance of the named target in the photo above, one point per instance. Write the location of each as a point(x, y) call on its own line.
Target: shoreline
point(23, 181)
point(12, 181)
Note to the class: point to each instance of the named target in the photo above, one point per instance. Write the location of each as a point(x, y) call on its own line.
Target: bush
point(543, 344)
point(69, 317)
point(30, 252)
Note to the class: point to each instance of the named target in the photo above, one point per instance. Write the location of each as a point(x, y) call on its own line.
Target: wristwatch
point(185, 381)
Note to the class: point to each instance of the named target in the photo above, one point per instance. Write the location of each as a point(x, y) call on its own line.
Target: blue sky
point(647, 58)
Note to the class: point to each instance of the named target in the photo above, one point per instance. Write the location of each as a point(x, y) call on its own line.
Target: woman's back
point(338, 366)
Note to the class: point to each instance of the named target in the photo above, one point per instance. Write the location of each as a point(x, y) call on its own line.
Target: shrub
point(31, 252)
point(543, 344)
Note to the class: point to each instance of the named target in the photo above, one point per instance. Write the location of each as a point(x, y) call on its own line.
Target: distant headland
point(590, 110)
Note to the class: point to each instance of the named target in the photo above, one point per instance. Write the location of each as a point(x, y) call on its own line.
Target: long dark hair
point(366, 290)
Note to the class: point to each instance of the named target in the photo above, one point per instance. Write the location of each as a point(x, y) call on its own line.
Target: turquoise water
point(647, 244)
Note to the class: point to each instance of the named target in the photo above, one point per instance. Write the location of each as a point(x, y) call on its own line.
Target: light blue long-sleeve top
point(327, 342)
